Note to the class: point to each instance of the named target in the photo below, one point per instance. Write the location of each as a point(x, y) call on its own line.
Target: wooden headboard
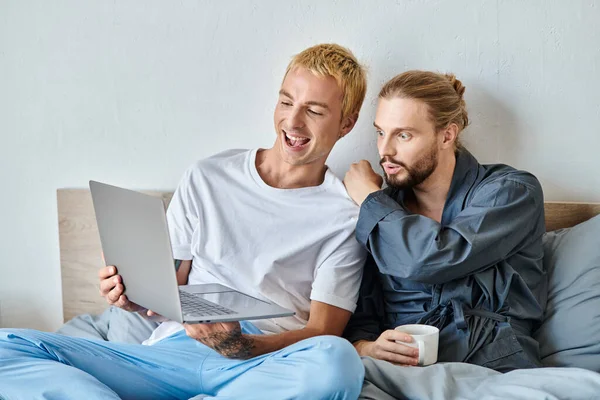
point(80, 250)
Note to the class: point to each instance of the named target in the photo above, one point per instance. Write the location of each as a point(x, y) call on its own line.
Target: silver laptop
point(135, 238)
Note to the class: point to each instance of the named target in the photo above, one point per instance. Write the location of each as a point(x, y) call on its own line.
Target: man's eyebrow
point(286, 94)
point(318, 103)
point(310, 103)
point(399, 129)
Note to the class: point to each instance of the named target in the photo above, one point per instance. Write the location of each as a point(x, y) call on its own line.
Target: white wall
point(132, 92)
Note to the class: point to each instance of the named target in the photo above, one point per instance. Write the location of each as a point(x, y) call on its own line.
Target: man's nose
point(295, 119)
point(386, 147)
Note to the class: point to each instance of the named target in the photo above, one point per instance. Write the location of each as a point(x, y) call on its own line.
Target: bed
point(569, 337)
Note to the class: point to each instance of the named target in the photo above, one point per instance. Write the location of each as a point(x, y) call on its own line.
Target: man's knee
point(11, 338)
point(22, 343)
point(337, 370)
point(12, 343)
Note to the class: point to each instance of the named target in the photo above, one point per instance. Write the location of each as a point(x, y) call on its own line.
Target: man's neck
point(279, 174)
point(429, 198)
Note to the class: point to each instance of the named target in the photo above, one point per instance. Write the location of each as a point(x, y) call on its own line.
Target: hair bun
point(456, 84)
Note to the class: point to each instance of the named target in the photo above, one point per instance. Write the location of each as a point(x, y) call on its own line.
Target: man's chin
point(393, 179)
point(293, 158)
point(396, 183)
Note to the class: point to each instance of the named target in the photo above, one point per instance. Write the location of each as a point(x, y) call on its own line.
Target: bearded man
point(453, 243)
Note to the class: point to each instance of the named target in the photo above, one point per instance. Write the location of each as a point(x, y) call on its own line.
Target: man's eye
point(379, 132)
point(314, 112)
point(286, 103)
point(404, 136)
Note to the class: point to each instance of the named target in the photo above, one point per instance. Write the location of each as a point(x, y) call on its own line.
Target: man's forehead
point(402, 112)
point(300, 81)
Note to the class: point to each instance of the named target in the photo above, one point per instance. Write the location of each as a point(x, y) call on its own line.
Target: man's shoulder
point(502, 173)
point(219, 160)
point(502, 176)
point(226, 156)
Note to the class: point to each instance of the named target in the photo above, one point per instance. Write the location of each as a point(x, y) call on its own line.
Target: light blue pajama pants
point(40, 365)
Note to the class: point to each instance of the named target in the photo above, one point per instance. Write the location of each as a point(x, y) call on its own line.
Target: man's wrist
point(362, 347)
point(233, 344)
point(371, 188)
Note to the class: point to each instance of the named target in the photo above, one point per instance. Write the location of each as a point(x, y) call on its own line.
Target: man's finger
point(107, 272)
point(398, 348)
point(399, 359)
point(402, 365)
point(153, 316)
point(392, 347)
point(397, 335)
point(122, 302)
point(114, 294)
point(109, 284)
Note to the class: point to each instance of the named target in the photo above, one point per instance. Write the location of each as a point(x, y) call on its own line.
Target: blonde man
point(273, 223)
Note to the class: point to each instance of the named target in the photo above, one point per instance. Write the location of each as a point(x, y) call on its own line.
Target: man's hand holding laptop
point(224, 337)
point(112, 289)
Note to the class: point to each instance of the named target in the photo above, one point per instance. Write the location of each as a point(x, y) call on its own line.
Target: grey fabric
point(87, 326)
point(570, 334)
point(478, 275)
point(114, 324)
point(128, 327)
point(385, 381)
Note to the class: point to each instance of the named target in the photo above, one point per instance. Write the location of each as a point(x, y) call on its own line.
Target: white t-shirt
point(288, 246)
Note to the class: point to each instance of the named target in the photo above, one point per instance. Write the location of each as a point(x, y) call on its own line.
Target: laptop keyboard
point(197, 306)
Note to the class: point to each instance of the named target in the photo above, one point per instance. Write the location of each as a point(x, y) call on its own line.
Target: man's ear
point(347, 124)
point(449, 135)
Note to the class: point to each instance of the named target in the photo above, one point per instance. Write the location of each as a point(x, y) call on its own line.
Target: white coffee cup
point(425, 338)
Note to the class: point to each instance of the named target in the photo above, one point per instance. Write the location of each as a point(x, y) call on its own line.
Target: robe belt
point(460, 310)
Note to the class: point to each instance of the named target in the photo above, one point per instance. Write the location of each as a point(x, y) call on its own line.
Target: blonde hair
point(442, 93)
point(338, 62)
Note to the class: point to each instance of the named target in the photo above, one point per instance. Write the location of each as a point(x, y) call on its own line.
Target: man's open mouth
point(295, 141)
point(390, 168)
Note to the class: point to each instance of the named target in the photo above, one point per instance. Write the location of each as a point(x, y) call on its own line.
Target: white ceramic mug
point(425, 338)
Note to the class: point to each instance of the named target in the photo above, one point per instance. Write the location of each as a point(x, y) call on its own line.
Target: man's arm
point(324, 319)
point(183, 268)
point(501, 217)
point(368, 319)
point(366, 328)
point(227, 339)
